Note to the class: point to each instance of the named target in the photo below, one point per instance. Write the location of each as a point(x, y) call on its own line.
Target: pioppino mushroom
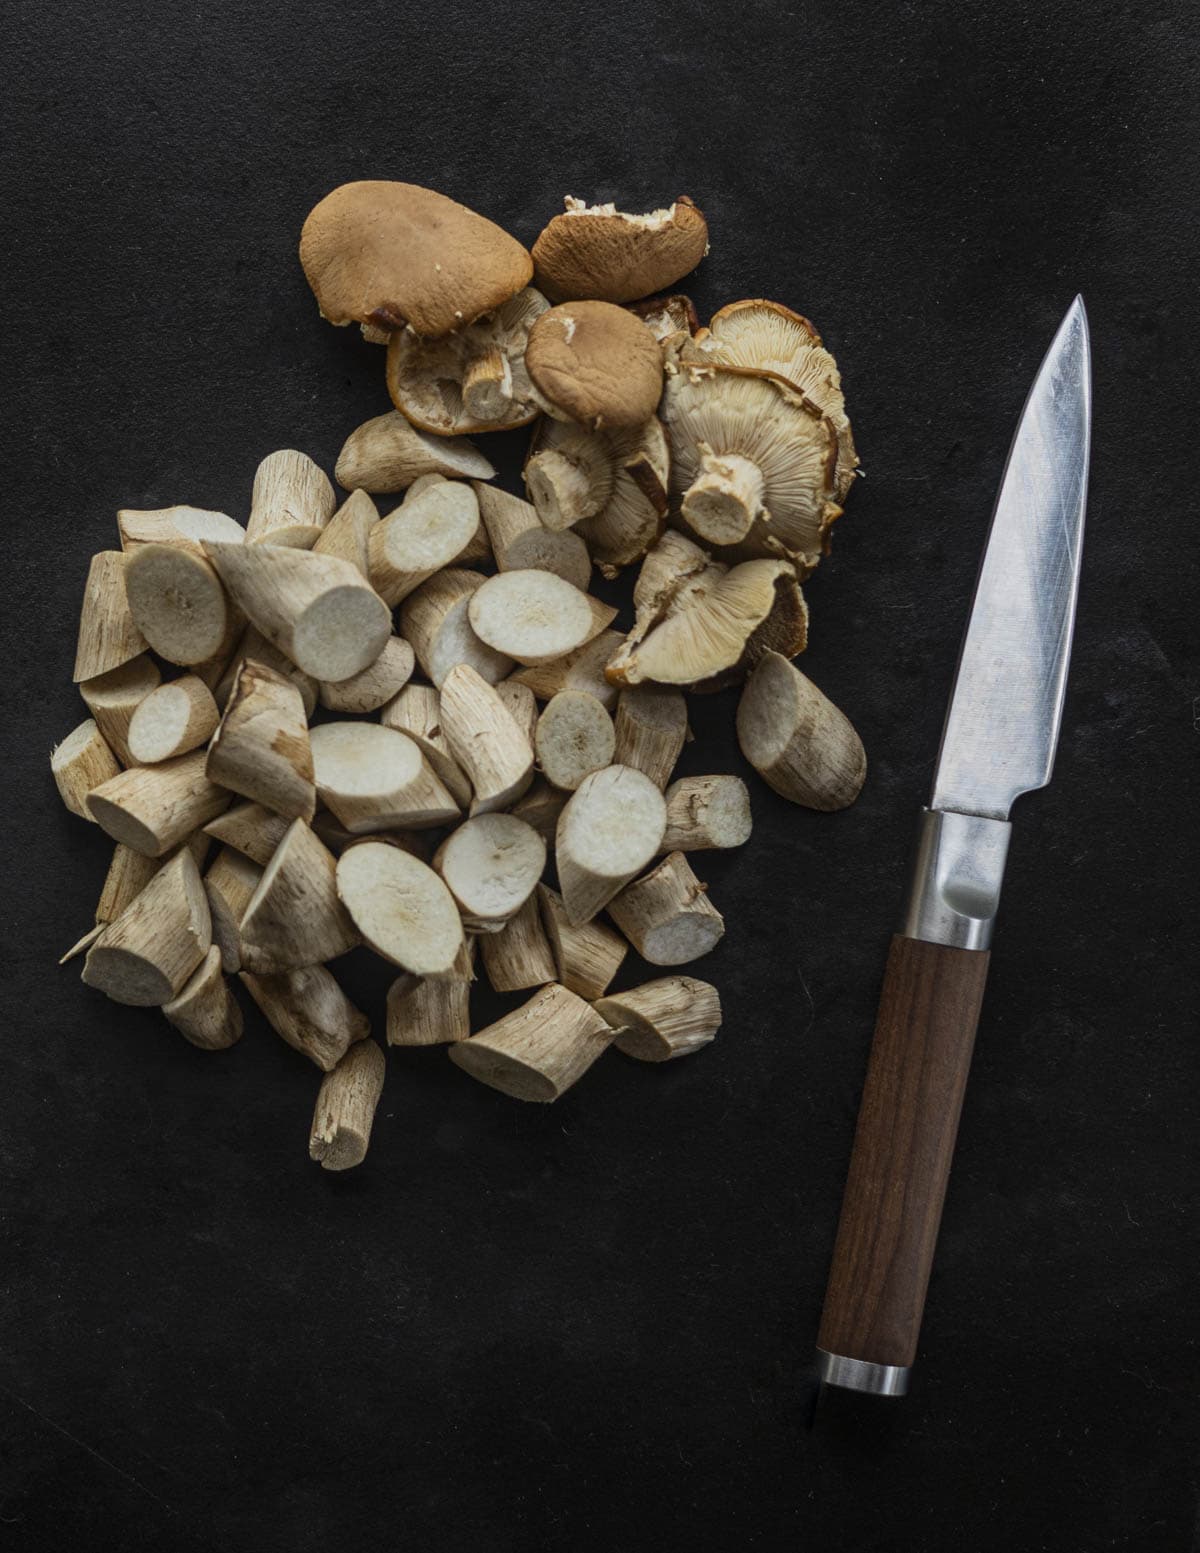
point(595, 364)
point(752, 461)
point(470, 381)
point(768, 337)
point(600, 251)
point(390, 254)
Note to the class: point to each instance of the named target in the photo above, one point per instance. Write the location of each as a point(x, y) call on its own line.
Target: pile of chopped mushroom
point(516, 726)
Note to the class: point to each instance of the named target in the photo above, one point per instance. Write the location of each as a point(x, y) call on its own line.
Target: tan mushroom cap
point(759, 431)
point(470, 381)
point(595, 363)
point(391, 254)
point(600, 251)
point(708, 639)
point(768, 337)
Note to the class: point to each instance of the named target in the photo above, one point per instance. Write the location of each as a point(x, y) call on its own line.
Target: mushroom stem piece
point(663, 1019)
point(346, 1102)
point(428, 1011)
point(308, 1009)
point(610, 829)
point(725, 500)
point(587, 956)
point(153, 808)
point(206, 1012)
point(706, 813)
point(519, 955)
point(146, 955)
point(539, 1050)
point(797, 740)
point(667, 916)
point(261, 749)
point(80, 764)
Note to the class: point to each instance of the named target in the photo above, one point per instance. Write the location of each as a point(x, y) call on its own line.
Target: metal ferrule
point(877, 1380)
point(956, 879)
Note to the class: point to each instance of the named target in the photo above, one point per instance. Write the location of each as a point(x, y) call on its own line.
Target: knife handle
point(907, 1123)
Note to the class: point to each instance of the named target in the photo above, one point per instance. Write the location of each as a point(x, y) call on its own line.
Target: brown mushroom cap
point(712, 412)
point(595, 363)
point(768, 337)
point(600, 251)
point(471, 381)
point(391, 254)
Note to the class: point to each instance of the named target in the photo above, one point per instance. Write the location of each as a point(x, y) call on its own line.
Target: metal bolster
point(956, 879)
point(879, 1380)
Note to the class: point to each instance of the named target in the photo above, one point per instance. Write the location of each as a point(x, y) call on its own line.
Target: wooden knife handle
point(903, 1145)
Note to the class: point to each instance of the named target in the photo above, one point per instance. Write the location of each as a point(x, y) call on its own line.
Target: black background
point(590, 1326)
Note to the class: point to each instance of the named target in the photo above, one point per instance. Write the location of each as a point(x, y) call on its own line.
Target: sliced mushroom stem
point(206, 1012)
point(128, 875)
point(173, 719)
point(586, 956)
point(230, 883)
point(435, 620)
point(563, 492)
point(663, 1019)
point(608, 832)
point(154, 808)
point(250, 829)
point(428, 1011)
point(667, 916)
point(651, 728)
point(725, 500)
point(491, 866)
point(415, 712)
point(309, 1010)
point(485, 739)
point(539, 1050)
point(146, 955)
point(261, 748)
point(376, 779)
point(519, 955)
point(706, 813)
point(294, 918)
point(345, 1110)
point(80, 764)
point(113, 698)
point(292, 501)
point(797, 740)
point(108, 636)
point(487, 386)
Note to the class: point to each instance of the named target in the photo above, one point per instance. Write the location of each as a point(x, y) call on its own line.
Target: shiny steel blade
point(1002, 724)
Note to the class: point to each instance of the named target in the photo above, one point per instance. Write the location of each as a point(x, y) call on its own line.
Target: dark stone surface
point(589, 1326)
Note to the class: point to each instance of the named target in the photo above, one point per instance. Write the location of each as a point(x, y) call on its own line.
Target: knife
point(999, 740)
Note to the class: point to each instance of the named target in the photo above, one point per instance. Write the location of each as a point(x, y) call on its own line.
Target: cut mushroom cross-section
point(534, 616)
point(472, 380)
point(375, 778)
point(797, 740)
point(574, 737)
point(402, 908)
point(485, 739)
point(316, 609)
point(421, 537)
point(491, 865)
point(610, 829)
point(539, 1050)
point(521, 542)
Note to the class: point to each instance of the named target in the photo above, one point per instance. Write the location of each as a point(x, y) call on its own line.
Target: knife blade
point(999, 741)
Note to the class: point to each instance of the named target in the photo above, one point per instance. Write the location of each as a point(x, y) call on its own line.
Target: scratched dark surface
point(589, 1326)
